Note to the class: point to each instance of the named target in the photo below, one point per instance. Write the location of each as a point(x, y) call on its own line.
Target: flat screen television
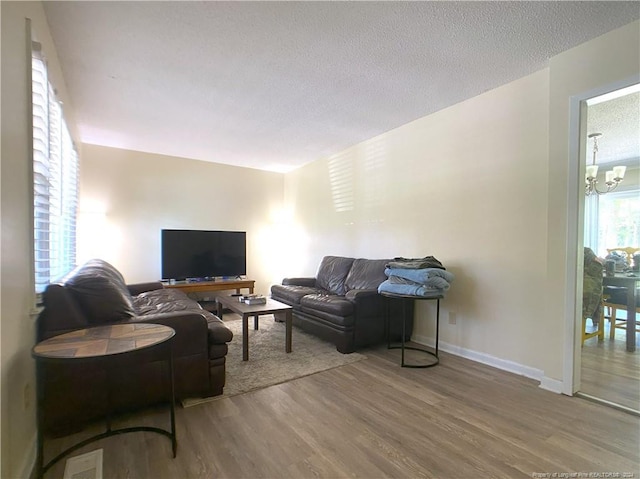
point(198, 254)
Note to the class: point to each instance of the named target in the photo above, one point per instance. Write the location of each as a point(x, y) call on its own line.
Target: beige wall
point(468, 185)
point(127, 197)
point(16, 289)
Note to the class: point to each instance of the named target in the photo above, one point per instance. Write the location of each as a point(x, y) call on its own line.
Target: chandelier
point(612, 177)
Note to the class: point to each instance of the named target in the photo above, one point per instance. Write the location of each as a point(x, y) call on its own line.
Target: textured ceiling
point(618, 120)
point(274, 85)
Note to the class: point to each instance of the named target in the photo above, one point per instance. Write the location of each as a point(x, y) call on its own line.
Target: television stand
point(219, 285)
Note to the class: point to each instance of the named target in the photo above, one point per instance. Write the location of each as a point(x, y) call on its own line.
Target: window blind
point(55, 183)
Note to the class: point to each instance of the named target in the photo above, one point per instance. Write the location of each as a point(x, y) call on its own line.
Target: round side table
point(404, 298)
point(106, 345)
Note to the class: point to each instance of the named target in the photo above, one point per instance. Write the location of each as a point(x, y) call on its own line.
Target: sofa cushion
point(292, 294)
point(164, 301)
point(332, 274)
point(101, 292)
point(366, 274)
point(332, 304)
point(316, 316)
point(169, 300)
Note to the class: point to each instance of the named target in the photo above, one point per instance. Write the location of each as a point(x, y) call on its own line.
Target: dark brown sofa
point(96, 294)
point(342, 305)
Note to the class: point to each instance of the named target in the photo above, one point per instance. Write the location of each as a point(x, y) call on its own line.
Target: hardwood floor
point(610, 372)
point(374, 419)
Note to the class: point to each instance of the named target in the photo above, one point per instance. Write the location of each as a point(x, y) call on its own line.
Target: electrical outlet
point(453, 317)
point(26, 396)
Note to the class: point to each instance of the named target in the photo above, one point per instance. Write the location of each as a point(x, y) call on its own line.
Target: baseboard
point(549, 384)
point(552, 385)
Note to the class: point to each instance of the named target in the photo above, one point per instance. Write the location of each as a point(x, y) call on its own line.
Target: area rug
point(268, 363)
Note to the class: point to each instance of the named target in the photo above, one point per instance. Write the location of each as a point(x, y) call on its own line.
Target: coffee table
point(245, 310)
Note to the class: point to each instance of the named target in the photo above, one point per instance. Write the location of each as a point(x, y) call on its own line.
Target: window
point(612, 220)
point(619, 220)
point(55, 182)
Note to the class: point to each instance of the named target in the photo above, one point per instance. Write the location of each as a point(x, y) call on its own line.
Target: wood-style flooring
point(373, 419)
point(609, 372)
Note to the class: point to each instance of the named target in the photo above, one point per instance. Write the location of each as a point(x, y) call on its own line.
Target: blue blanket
point(420, 275)
point(409, 289)
point(433, 282)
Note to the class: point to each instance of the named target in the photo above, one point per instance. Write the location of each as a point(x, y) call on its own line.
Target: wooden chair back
point(628, 250)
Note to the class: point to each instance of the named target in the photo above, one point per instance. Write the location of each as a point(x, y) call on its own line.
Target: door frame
point(575, 230)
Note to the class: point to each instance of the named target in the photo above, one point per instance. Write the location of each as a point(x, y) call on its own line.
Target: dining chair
point(629, 251)
point(614, 322)
point(599, 331)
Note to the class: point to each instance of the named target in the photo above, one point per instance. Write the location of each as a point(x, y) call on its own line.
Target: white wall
point(468, 185)
point(18, 424)
point(127, 197)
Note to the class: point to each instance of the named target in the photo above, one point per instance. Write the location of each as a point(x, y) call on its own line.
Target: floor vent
point(85, 466)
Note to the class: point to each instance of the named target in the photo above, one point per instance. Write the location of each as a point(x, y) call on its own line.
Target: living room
point(481, 185)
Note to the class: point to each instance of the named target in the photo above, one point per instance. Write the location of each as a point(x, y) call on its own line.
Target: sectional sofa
point(96, 294)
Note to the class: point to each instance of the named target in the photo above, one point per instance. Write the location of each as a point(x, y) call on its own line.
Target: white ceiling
point(274, 85)
point(618, 119)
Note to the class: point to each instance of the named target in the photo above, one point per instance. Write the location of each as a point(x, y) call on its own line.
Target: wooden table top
point(103, 341)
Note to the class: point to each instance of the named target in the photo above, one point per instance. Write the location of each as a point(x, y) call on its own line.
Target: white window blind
point(55, 183)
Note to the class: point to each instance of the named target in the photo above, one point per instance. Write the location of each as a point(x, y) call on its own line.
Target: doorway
point(610, 136)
